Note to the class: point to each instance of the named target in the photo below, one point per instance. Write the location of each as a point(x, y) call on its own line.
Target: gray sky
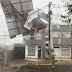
point(41, 3)
point(57, 9)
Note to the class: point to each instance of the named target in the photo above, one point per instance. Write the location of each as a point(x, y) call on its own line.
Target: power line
point(54, 6)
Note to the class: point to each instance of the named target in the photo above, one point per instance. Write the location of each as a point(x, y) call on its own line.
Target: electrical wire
point(43, 8)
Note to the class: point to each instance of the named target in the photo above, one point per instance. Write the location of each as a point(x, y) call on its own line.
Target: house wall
point(60, 41)
point(57, 52)
point(7, 55)
point(59, 34)
point(39, 42)
point(63, 52)
point(71, 51)
point(43, 45)
point(32, 43)
point(10, 55)
point(55, 34)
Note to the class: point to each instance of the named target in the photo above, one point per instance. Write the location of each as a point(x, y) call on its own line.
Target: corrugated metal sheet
point(32, 19)
point(17, 13)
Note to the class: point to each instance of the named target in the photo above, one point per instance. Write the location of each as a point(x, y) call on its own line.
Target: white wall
point(57, 52)
point(55, 34)
point(66, 50)
point(67, 34)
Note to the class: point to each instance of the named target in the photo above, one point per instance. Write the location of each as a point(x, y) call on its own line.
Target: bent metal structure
point(21, 18)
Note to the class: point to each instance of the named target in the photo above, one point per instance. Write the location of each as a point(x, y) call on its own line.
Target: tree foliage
point(49, 51)
point(68, 6)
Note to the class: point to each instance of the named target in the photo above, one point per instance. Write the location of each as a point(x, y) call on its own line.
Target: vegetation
point(31, 65)
point(68, 6)
point(28, 65)
point(50, 50)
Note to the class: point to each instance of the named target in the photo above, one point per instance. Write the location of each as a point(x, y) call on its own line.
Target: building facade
point(61, 42)
point(35, 49)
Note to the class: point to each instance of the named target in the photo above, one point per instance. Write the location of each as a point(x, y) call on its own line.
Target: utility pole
point(49, 30)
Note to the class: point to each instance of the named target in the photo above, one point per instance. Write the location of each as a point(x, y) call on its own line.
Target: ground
point(63, 65)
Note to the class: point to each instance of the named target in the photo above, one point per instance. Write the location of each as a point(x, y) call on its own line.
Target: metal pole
point(49, 13)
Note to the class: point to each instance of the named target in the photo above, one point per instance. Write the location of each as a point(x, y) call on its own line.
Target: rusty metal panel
point(15, 11)
point(18, 13)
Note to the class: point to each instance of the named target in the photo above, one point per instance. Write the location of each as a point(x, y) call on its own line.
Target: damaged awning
point(21, 18)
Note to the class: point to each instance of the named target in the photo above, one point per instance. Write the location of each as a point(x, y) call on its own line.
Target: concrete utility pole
point(49, 30)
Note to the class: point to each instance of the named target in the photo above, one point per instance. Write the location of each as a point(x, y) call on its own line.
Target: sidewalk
point(63, 61)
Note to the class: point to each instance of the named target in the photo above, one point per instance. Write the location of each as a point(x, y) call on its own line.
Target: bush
point(28, 65)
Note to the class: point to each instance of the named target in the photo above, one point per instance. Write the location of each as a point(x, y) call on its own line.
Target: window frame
point(33, 50)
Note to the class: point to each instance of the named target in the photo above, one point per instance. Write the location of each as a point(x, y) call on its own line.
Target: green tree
point(47, 50)
point(68, 6)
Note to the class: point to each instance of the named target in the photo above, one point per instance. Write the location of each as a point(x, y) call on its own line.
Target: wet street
point(63, 68)
point(60, 66)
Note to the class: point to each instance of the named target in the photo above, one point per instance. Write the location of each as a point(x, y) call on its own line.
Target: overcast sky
point(41, 3)
point(57, 9)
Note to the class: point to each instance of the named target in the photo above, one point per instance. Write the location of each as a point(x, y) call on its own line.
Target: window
point(65, 47)
point(58, 26)
point(46, 33)
point(64, 34)
point(56, 47)
point(60, 34)
point(39, 36)
point(39, 46)
point(46, 44)
point(32, 34)
point(31, 51)
point(31, 38)
point(27, 37)
point(65, 52)
point(47, 39)
point(59, 41)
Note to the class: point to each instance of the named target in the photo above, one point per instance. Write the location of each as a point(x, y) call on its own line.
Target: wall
point(57, 52)
point(65, 51)
point(43, 45)
point(71, 51)
point(67, 34)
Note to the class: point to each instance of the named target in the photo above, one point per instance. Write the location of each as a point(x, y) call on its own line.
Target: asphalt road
point(58, 68)
point(63, 68)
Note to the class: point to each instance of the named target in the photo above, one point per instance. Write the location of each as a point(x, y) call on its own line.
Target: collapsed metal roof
point(21, 18)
